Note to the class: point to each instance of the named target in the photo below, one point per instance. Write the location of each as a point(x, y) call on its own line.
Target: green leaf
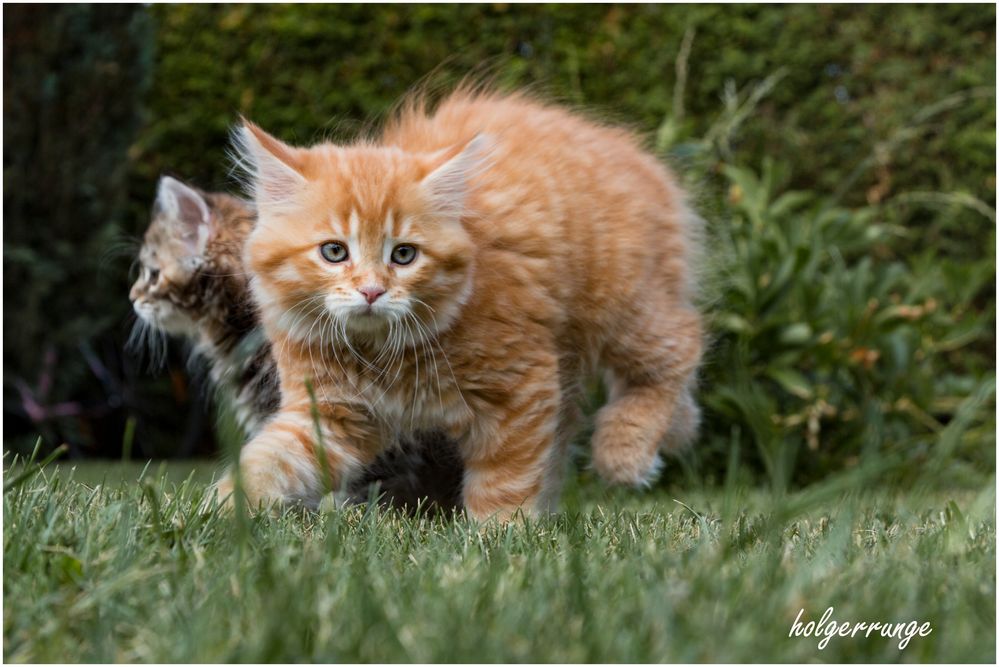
point(792, 382)
point(734, 323)
point(796, 334)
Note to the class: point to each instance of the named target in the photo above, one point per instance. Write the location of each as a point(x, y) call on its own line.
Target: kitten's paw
point(629, 466)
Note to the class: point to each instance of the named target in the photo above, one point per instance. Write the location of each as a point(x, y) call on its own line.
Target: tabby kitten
point(192, 284)
point(464, 272)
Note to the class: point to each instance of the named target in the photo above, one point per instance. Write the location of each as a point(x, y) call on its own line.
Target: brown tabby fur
point(548, 247)
point(202, 294)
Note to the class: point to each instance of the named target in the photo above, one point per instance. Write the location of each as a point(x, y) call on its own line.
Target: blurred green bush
point(844, 157)
point(74, 76)
point(857, 79)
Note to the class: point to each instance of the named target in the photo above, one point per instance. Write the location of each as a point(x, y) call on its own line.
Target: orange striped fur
point(547, 247)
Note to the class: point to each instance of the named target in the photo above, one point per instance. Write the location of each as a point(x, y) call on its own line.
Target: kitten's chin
point(366, 323)
point(165, 319)
point(363, 320)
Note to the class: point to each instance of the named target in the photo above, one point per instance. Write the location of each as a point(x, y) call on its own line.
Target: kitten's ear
point(274, 168)
point(448, 184)
point(187, 210)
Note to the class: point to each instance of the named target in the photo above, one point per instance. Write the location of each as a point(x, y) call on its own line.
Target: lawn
point(115, 564)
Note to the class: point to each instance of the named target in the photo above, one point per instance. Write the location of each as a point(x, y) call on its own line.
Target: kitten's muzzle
point(142, 308)
point(371, 292)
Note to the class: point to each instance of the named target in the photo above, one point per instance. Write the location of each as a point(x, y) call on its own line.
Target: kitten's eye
point(333, 252)
point(403, 254)
point(154, 275)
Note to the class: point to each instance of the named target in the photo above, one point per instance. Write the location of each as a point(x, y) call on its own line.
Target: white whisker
point(434, 341)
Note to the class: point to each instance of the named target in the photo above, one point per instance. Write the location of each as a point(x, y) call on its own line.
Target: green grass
point(130, 570)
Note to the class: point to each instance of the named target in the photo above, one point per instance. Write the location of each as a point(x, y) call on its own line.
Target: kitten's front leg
point(285, 464)
point(512, 460)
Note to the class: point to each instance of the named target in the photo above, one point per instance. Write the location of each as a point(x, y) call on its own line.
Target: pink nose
point(371, 292)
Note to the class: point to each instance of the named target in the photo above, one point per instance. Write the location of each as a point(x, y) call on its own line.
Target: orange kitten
point(463, 273)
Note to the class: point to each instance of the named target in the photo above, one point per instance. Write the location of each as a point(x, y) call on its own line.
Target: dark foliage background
point(844, 157)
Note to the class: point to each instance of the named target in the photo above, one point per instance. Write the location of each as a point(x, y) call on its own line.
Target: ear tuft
point(186, 209)
point(273, 169)
point(448, 184)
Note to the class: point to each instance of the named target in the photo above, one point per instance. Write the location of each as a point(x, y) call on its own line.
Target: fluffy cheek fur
point(289, 289)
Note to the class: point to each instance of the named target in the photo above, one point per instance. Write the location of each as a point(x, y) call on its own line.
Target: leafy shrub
point(840, 336)
point(827, 352)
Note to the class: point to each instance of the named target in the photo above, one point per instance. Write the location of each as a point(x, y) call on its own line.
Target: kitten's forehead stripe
point(336, 223)
point(405, 228)
point(353, 223)
point(390, 230)
point(370, 236)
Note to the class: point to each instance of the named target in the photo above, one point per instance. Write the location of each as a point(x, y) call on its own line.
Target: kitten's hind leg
point(650, 405)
